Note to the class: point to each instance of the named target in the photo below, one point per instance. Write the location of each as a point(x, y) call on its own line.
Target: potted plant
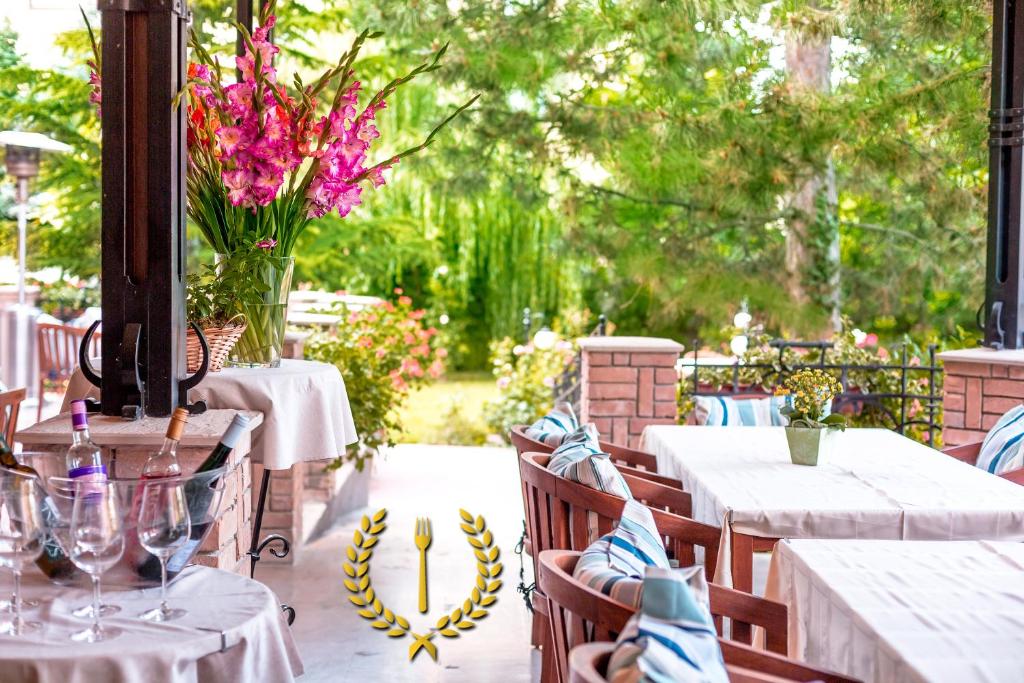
point(809, 395)
point(216, 300)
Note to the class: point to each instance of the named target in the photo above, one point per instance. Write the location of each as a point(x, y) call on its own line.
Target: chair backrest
point(580, 614)
point(588, 663)
point(58, 349)
point(968, 453)
point(563, 515)
point(649, 488)
point(10, 406)
point(620, 455)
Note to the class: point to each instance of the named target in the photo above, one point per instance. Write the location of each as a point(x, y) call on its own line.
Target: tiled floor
point(412, 481)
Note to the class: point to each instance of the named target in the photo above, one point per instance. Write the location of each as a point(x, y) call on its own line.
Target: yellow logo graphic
point(363, 596)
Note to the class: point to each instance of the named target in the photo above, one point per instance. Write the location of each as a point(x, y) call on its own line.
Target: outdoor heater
point(21, 159)
point(22, 152)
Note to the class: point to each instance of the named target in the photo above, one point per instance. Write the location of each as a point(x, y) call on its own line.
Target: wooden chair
point(595, 617)
point(58, 355)
point(627, 460)
point(589, 661)
point(10, 406)
point(557, 512)
point(968, 453)
point(649, 488)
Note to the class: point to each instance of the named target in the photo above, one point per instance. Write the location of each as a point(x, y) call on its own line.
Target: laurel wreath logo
point(464, 618)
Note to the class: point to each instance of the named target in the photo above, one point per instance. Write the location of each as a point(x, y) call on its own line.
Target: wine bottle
point(84, 460)
point(54, 562)
point(160, 465)
point(200, 492)
point(164, 463)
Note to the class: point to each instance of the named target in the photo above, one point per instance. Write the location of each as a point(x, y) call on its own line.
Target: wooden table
point(875, 484)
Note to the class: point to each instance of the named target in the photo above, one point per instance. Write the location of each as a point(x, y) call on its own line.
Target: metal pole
point(22, 236)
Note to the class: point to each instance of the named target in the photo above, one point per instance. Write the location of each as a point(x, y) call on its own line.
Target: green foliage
point(64, 230)
point(222, 291)
point(382, 351)
point(635, 158)
point(66, 298)
point(526, 377)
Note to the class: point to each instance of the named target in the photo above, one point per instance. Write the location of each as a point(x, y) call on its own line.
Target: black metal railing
point(895, 409)
point(569, 383)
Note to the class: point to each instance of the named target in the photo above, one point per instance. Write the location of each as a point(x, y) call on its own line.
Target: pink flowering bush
point(383, 352)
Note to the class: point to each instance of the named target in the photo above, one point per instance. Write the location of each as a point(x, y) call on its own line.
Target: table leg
point(742, 562)
point(258, 545)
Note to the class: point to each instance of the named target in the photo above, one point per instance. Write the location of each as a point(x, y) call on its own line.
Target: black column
point(1004, 291)
point(144, 166)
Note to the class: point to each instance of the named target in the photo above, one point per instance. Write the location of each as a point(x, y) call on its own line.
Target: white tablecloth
point(906, 611)
point(234, 631)
point(306, 414)
point(875, 484)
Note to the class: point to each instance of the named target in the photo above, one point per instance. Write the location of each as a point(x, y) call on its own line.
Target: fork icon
point(423, 539)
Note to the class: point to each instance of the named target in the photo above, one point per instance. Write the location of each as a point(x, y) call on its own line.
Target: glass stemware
point(22, 535)
point(97, 543)
point(62, 495)
point(164, 526)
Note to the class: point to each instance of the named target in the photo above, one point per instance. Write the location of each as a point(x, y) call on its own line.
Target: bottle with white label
point(84, 459)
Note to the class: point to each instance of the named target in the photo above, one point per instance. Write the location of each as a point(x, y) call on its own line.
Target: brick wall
point(980, 385)
point(628, 383)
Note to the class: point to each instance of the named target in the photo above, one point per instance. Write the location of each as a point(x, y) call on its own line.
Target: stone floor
point(336, 644)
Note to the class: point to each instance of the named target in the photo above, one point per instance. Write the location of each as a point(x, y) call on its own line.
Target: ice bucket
point(138, 567)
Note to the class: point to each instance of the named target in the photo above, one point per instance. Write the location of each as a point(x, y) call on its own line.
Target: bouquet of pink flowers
point(265, 160)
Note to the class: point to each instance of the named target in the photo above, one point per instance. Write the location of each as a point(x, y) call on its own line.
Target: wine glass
point(62, 496)
point(22, 536)
point(97, 543)
point(164, 526)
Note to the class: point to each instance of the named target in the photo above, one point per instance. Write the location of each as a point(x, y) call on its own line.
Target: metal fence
point(896, 409)
point(568, 384)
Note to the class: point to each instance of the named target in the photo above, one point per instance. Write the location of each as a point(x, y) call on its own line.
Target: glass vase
point(261, 344)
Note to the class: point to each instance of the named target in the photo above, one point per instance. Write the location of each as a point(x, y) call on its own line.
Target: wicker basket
point(221, 340)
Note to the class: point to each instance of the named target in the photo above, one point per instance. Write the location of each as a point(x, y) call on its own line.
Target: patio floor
point(411, 481)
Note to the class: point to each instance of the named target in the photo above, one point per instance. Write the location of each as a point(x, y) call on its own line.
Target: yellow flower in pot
point(809, 394)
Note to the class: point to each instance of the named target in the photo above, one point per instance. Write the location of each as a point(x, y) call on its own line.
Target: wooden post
point(144, 167)
point(1004, 291)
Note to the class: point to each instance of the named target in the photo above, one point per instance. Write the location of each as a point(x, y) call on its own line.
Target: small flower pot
point(807, 446)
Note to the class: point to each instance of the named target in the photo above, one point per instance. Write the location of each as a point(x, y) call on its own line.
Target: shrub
point(383, 352)
point(526, 377)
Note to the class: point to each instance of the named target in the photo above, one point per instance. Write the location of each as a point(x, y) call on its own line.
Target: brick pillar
point(980, 385)
point(628, 383)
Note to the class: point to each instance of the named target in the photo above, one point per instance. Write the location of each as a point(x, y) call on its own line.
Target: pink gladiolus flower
point(266, 244)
